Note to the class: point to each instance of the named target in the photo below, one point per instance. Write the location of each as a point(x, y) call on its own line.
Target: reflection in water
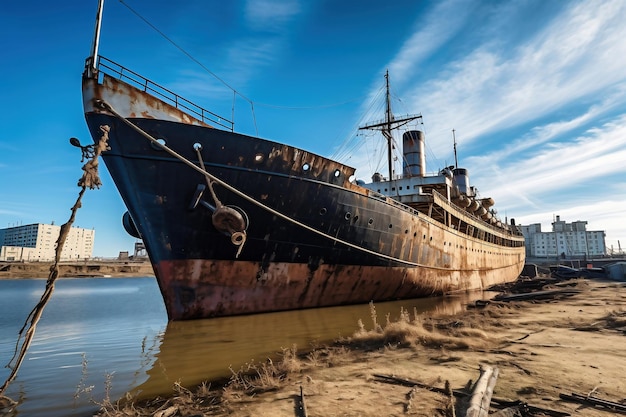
point(201, 350)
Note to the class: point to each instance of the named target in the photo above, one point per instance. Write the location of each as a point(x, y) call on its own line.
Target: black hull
point(235, 224)
point(313, 238)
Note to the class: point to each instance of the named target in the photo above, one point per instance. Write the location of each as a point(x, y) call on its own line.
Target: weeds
point(407, 332)
point(81, 388)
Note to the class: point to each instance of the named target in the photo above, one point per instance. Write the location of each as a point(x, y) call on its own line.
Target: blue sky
point(535, 90)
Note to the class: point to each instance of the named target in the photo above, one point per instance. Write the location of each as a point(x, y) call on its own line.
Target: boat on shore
point(235, 224)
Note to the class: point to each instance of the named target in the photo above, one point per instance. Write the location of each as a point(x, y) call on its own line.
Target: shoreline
point(77, 269)
point(544, 349)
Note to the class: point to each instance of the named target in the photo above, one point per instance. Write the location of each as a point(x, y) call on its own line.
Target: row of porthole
point(258, 158)
point(306, 167)
point(348, 216)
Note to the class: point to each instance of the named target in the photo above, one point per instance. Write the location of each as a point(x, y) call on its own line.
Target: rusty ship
point(236, 224)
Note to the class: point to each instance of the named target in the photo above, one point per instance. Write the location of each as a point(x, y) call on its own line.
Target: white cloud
point(572, 68)
point(598, 153)
point(493, 88)
point(270, 15)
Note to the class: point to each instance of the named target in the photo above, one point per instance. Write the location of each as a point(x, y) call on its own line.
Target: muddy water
point(111, 335)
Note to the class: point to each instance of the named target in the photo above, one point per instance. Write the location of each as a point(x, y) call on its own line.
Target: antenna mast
point(387, 131)
point(456, 162)
point(92, 69)
point(390, 123)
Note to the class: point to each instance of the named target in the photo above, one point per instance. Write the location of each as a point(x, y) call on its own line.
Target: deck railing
point(113, 69)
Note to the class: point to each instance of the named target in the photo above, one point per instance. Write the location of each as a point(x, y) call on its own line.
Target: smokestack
point(414, 164)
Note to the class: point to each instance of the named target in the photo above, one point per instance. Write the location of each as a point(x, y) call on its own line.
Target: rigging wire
point(234, 90)
point(347, 147)
point(180, 48)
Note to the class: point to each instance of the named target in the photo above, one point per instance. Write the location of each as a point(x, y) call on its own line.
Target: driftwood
point(537, 295)
point(496, 402)
point(389, 379)
point(595, 401)
point(481, 394)
point(526, 408)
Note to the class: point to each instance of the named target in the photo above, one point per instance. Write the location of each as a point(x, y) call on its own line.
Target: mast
point(456, 161)
point(91, 69)
point(387, 132)
point(390, 123)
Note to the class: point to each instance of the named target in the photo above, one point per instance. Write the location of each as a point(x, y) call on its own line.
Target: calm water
point(99, 329)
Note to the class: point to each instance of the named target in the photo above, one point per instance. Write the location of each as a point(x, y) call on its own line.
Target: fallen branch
point(537, 295)
point(589, 400)
point(498, 402)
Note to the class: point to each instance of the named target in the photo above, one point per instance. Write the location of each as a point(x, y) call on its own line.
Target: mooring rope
point(91, 180)
point(241, 194)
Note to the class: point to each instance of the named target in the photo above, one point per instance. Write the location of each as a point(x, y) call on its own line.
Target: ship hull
point(313, 238)
point(307, 236)
point(199, 288)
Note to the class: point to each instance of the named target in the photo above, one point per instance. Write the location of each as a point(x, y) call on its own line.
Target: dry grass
point(415, 332)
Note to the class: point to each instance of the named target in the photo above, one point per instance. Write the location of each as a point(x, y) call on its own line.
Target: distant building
point(571, 240)
point(37, 242)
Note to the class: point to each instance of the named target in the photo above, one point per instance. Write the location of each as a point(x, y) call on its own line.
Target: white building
point(571, 240)
point(37, 242)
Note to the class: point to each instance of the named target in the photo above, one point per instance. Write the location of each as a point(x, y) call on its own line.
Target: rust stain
point(200, 288)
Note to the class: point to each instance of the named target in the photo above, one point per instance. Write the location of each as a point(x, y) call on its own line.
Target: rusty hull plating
point(314, 237)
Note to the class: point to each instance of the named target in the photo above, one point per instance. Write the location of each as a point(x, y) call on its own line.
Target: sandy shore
point(542, 349)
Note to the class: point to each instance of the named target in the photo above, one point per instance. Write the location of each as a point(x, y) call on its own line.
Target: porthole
point(323, 211)
point(156, 146)
point(258, 158)
point(306, 167)
point(356, 217)
point(347, 216)
point(370, 221)
point(390, 225)
point(337, 173)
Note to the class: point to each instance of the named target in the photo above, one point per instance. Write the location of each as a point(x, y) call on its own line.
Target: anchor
point(230, 220)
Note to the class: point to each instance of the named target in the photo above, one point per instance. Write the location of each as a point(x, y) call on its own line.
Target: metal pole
point(91, 70)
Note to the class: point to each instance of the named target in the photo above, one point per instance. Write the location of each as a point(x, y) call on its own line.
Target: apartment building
point(37, 242)
point(571, 240)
